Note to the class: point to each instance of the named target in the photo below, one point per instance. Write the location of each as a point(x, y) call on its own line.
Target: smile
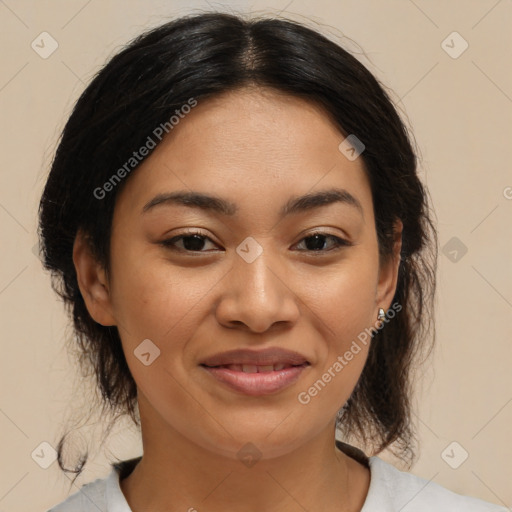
point(256, 380)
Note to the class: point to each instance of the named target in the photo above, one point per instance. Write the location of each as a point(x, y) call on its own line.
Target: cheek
point(151, 296)
point(153, 302)
point(345, 304)
point(345, 299)
point(347, 311)
point(156, 301)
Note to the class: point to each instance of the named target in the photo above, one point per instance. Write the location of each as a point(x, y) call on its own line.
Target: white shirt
point(390, 490)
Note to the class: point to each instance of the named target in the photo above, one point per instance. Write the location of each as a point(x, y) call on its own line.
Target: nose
point(257, 295)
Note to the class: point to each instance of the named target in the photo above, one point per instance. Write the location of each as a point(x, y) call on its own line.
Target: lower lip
point(256, 384)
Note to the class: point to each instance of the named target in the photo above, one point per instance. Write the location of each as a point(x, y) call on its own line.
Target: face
point(198, 281)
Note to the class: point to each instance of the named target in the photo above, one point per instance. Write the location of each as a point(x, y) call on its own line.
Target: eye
point(316, 242)
point(194, 241)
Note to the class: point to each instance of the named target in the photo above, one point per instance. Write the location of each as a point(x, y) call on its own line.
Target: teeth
point(252, 368)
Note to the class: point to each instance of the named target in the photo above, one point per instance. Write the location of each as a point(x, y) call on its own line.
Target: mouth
point(254, 380)
point(254, 368)
point(261, 358)
point(256, 373)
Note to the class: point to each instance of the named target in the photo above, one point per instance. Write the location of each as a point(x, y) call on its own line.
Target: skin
point(256, 148)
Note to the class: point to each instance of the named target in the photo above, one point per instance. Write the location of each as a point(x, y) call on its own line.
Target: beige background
point(461, 113)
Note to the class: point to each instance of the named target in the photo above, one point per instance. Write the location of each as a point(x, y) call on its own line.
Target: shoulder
point(90, 497)
point(101, 495)
point(392, 489)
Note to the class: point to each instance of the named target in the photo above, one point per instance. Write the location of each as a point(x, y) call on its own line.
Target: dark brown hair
point(201, 56)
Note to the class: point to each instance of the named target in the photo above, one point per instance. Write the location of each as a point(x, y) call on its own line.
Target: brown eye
point(195, 242)
point(192, 242)
point(316, 242)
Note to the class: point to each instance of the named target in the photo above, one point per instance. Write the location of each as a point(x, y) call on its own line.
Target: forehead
point(254, 146)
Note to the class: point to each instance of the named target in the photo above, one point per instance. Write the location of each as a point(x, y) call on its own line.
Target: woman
point(234, 216)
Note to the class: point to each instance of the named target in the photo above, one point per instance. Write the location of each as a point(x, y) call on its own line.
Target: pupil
point(193, 243)
point(318, 245)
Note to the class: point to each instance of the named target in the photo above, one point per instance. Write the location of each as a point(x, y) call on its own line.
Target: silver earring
point(381, 315)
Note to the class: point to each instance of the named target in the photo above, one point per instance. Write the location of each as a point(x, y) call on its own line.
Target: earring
point(381, 315)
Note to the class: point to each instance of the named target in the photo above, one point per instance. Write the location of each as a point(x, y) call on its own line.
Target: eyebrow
point(222, 206)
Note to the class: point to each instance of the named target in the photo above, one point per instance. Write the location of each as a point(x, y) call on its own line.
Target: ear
point(388, 272)
point(92, 282)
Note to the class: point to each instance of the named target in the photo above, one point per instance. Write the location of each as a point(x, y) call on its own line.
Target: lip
point(266, 357)
point(258, 383)
point(226, 367)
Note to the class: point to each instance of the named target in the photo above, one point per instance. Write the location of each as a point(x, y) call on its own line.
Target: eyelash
point(170, 243)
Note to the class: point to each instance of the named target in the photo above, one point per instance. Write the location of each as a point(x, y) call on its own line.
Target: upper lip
point(270, 356)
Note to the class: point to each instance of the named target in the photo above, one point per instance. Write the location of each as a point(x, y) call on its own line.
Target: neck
point(175, 474)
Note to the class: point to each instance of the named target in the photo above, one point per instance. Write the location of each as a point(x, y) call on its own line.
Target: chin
point(254, 442)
